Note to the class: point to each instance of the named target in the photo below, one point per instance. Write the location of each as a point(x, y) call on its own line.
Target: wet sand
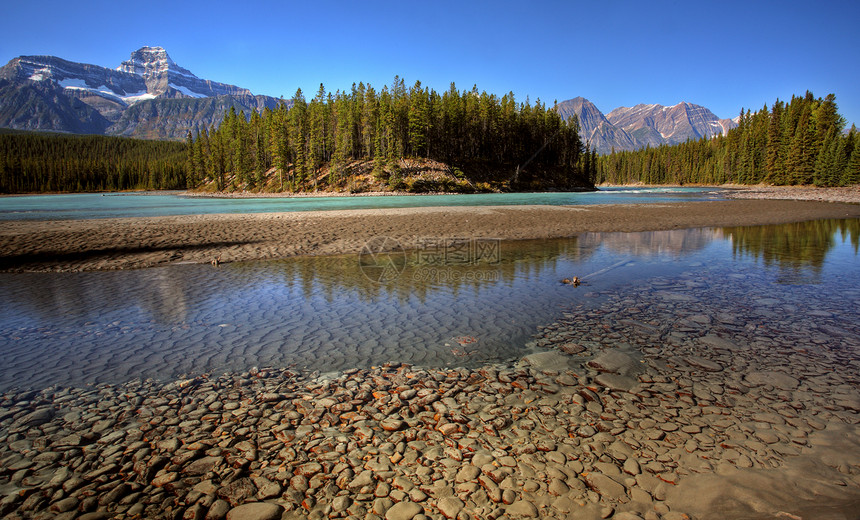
point(144, 242)
point(849, 194)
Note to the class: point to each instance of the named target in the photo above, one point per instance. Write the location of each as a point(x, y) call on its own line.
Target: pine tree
point(380, 137)
point(219, 160)
point(199, 160)
point(399, 115)
point(826, 163)
point(343, 139)
point(190, 177)
point(419, 121)
point(826, 118)
point(208, 170)
point(851, 173)
point(387, 147)
point(298, 140)
point(280, 143)
point(840, 162)
point(369, 124)
point(317, 134)
point(260, 158)
point(592, 173)
point(801, 158)
point(758, 142)
point(775, 163)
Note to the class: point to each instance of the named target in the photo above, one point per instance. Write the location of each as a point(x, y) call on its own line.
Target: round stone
point(522, 508)
point(450, 507)
point(403, 511)
point(256, 511)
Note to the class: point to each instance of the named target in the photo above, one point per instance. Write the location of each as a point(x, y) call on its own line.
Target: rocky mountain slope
point(595, 128)
point(148, 95)
point(656, 124)
point(631, 128)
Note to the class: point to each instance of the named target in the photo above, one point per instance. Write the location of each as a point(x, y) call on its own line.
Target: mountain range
point(150, 96)
point(147, 96)
point(631, 128)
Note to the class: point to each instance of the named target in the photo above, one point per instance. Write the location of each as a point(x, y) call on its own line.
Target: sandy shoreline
point(847, 194)
point(129, 243)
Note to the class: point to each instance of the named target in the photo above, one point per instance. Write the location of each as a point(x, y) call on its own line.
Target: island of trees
point(796, 143)
point(398, 138)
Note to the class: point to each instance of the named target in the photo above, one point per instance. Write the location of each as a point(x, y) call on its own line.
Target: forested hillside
point(794, 143)
point(475, 142)
point(34, 162)
point(418, 140)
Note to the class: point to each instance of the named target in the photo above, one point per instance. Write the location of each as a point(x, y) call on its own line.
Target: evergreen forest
point(415, 139)
point(40, 162)
point(801, 142)
point(398, 138)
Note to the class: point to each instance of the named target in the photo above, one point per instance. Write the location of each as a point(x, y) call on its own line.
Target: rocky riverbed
point(665, 400)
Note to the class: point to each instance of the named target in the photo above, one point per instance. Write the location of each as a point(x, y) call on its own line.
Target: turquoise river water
point(94, 205)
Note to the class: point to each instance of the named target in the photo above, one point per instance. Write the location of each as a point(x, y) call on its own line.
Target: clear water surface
point(331, 313)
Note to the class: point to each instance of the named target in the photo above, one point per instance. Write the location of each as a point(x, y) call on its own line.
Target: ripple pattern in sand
point(323, 314)
point(315, 313)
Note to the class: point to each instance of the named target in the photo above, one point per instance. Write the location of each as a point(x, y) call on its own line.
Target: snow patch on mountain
point(137, 97)
point(73, 83)
point(187, 91)
point(103, 90)
point(40, 74)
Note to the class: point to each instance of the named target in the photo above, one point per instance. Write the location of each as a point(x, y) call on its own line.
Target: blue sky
point(724, 55)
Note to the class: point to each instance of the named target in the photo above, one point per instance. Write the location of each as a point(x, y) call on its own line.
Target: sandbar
point(129, 243)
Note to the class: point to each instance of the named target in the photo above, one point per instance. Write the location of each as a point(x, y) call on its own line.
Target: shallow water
point(94, 205)
point(450, 305)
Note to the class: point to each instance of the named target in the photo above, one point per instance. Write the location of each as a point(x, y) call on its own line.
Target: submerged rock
point(773, 378)
point(676, 393)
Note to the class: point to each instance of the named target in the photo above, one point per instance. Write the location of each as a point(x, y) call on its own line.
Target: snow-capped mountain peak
point(148, 74)
point(151, 62)
point(147, 95)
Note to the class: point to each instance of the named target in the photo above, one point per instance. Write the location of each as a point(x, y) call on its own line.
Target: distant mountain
point(656, 124)
point(643, 125)
point(152, 97)
point(595, 128)
point(148, 95)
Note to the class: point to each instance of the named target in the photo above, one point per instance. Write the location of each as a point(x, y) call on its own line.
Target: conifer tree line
point(312, 145)
point(33, 162)
point(796, 143)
